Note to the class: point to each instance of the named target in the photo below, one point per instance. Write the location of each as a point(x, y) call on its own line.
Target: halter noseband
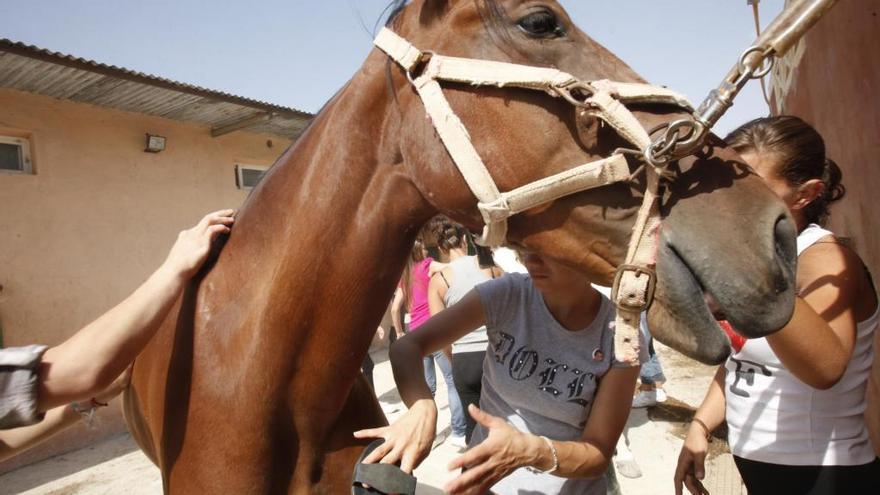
point(603, 99)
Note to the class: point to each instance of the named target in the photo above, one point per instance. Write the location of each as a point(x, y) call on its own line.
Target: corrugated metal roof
point(37, 70)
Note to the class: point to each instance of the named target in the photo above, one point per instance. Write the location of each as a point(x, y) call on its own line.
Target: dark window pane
point(10, 157)
point(251, 177)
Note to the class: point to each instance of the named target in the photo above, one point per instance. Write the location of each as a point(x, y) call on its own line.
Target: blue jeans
point(652, 371)
point(459, 425)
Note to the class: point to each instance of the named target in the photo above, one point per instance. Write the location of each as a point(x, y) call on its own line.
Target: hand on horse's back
point(194, 244)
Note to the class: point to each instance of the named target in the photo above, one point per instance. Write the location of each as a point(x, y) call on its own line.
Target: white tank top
point(466, 274)
point(773, 417)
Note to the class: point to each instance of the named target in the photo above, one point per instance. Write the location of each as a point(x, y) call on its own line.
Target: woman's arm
point(817, 343)
point(691, 469)
point(17, 440)
point(408, 440)
point(611, 407)
point(438, 332)
point(507, 448)
point(396, 306)
point(91, 359)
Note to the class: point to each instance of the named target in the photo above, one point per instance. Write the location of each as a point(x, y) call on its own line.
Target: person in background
point(368, 365)
point(414, 285)
point(872, 398)
point(37, 378)
point(403, 304)
point(446, 288)
point(651, 377)
point(794, 400)
point(398, 310)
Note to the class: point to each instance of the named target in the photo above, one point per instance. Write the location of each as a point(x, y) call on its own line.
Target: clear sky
point(298, 53)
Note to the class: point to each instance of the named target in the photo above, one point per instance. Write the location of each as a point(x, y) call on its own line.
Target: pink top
point(419, 313)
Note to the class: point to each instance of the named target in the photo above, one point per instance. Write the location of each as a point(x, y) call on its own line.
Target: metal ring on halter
point(422, 61)
point(567, 90)
point(769, 60)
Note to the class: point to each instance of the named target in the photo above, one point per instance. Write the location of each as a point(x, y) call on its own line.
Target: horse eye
point(541, 24)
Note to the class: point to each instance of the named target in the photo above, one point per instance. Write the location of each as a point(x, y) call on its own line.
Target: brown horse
point(252, 385)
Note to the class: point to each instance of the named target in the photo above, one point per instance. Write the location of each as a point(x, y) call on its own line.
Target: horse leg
point(342, 450)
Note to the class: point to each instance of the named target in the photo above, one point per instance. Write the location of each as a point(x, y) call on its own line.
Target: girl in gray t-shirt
point(554, 401)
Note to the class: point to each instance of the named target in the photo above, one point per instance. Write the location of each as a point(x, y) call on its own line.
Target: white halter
point(635, 280)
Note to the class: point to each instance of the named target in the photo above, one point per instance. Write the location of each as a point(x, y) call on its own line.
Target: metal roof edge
point(35, 52)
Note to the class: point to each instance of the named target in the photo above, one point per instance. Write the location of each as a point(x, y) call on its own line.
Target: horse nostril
point(785, 245)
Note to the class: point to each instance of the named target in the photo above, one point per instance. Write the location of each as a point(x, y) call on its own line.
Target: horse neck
point(338, 209)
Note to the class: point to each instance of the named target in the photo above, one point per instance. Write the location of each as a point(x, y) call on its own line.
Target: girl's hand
point(193, 245)
point(408, 440)
point(503, 450)
point(691, 461)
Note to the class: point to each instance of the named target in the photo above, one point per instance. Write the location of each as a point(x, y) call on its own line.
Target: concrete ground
point(654, 436)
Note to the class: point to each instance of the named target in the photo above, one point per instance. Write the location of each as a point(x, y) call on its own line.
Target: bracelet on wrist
point(706, 431)
point(87, 410)
point(555, 455)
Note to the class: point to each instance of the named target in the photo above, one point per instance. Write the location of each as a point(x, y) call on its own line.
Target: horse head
point(723, 235)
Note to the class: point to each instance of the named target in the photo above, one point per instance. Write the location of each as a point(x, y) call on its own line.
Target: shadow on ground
point(680, 415)
point(64, 465)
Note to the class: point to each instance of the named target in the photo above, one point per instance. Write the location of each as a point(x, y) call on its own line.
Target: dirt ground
point(653, 435)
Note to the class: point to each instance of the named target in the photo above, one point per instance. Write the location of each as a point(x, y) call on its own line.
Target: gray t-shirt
point(539, 376)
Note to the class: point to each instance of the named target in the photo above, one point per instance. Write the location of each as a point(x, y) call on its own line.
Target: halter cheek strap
point(606, 100)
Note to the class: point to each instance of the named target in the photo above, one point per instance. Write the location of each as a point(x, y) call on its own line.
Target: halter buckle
point(638, 284)
point(576, 92)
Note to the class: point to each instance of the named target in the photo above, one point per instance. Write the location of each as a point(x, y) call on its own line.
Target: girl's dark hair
point(800, 151)
point(450, 235)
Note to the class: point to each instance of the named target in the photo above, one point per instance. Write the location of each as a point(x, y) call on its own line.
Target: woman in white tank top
point(446, 288)
point(794, 401)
